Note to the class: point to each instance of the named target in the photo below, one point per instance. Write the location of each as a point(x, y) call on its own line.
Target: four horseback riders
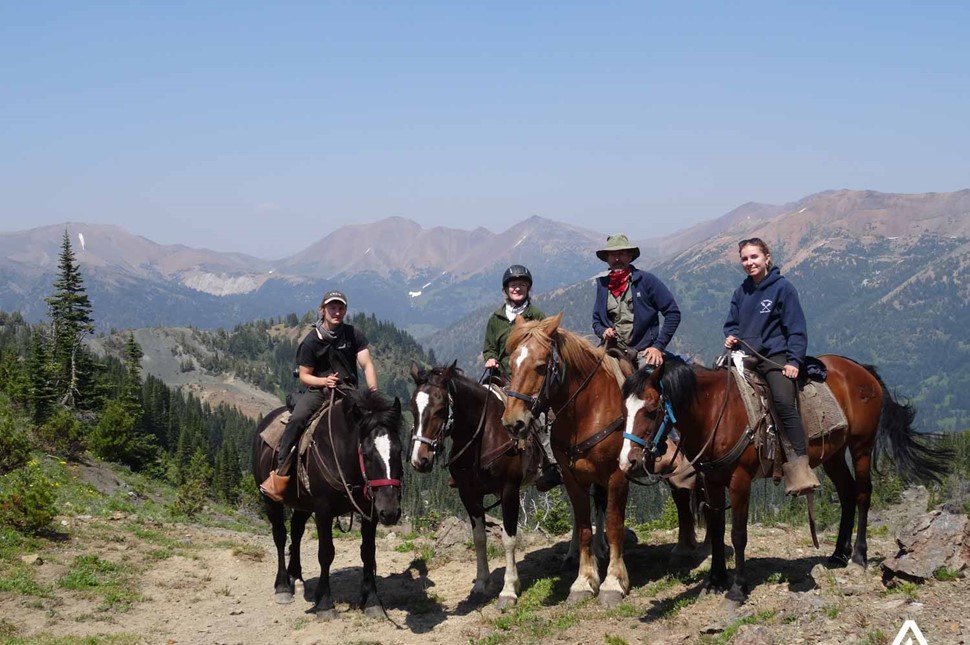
point(765, 317)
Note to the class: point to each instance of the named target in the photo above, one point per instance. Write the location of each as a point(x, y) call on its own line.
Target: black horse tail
point(922, 460)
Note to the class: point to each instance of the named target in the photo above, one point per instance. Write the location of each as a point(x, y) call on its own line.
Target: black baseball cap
point(332, 295)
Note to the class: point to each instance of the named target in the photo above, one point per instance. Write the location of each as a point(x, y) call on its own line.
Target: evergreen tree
point(227, 475)
point(70, 314)
point(41, 396)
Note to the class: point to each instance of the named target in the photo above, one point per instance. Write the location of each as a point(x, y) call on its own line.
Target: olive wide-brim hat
point(618, 243)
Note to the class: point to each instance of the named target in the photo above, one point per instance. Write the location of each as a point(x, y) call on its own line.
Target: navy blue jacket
point(650, 298)
point(769, 317)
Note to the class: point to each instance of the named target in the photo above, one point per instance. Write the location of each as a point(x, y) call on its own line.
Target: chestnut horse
point(483, 459)
point(715, 434)
point(561, 373)
point(353, 465)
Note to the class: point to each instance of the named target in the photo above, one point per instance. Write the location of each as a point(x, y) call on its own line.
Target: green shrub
point(14, 445)
point(558, 516)
point(63, 433)
point(27, 499)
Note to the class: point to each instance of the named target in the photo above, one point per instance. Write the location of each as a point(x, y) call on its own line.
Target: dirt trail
point(203, 585)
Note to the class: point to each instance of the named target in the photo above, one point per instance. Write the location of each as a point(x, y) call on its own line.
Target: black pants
point(784, 392)
point(308, 403)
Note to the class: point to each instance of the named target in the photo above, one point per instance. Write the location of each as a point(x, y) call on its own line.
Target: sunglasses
point(751, 240)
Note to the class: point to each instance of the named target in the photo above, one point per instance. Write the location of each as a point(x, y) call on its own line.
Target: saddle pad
point(820, 412)
point(273, 433)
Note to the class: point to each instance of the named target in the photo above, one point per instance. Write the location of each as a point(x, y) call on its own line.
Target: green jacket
point(497, 332)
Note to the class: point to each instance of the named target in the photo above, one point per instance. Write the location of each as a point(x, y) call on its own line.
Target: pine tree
point(70, 314)
point(41, 396)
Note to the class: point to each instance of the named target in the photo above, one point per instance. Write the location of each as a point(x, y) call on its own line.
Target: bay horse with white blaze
point(353, 464)
point(558, 372)
point(715, 433)
point(483, 459)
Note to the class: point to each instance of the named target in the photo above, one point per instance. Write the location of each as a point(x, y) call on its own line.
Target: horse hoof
point(576, 597)
point(736, 596)
point(505, 602)
point(837, 560)
point(283, 598)
point(326, 614)
point(375, 611)
point(610, 598)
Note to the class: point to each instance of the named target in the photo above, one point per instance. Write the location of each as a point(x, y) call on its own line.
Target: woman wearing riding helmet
point(516, 283)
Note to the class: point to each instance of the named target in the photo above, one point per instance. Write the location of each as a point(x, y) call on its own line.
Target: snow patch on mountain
point(222, 284)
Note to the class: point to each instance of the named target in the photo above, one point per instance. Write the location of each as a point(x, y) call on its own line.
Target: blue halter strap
point(658, 446)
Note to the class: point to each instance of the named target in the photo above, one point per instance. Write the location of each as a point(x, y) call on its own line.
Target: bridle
point(437, 445)
point(370, 484)
point(553, 378)
point(656, 445)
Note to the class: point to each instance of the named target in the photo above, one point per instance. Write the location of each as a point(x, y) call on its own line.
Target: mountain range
point(883, 277)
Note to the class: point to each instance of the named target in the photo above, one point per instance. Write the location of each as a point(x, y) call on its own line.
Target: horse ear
point(415, 372)
point(449, 370)
point(551, 325)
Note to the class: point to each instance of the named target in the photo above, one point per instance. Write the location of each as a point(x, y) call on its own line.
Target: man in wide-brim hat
point(629, 304)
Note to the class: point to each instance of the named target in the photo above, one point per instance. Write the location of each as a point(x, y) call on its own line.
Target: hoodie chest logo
point(766, 306)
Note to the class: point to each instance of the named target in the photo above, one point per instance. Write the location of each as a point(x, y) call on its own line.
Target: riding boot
point(799, 476)
point(551, 475)
point(275, 486)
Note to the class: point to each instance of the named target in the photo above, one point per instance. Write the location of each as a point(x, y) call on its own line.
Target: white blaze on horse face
point(633, 405)
point(421, 402)
point(383, 445)
point(520, 355)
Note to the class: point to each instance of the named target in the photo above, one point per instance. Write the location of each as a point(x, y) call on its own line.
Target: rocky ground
point(123, 579)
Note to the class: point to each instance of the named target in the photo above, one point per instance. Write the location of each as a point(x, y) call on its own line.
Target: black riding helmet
point(516, 272)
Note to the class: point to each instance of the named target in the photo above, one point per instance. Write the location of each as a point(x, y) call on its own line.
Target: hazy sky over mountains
point(260, 127)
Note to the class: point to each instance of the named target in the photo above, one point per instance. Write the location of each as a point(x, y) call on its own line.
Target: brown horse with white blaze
point(482, 460)
point(715, 432)
point(558, 372)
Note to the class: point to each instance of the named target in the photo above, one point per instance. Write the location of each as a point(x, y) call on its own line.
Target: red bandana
point(619, 281)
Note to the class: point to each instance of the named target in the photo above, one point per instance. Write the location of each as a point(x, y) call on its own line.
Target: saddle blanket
point(820, 412)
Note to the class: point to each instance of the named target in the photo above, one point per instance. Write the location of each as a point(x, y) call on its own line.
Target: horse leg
point(571, 559)
point(322, 599)
point(863, 489)
point(284, 586)
point(601, 548)
point(740, 494)
point(717, 581)
point(476, 514)
point(587, 582)
point(510, 521)
point(297, 528)
point(838, 471)
point(369, 601)
point(686, 537)
point(617, 582)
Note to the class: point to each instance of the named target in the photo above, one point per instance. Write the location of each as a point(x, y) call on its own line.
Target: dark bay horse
point(712, 421)
point(353, 465)
point(553, 370)
point(483, 459)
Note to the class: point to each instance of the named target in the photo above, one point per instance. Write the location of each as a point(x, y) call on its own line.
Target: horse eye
point(542, 369)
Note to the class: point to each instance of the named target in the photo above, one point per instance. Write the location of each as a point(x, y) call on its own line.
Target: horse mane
point(375, 410)
point(578, 352)
point(679, 381)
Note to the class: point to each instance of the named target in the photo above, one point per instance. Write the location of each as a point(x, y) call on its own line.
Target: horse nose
point(389, 517)
point(516, 428)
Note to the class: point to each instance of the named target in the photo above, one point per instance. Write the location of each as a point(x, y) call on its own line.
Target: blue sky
point(260, 127)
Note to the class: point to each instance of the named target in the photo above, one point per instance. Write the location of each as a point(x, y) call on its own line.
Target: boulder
point(932, 541)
